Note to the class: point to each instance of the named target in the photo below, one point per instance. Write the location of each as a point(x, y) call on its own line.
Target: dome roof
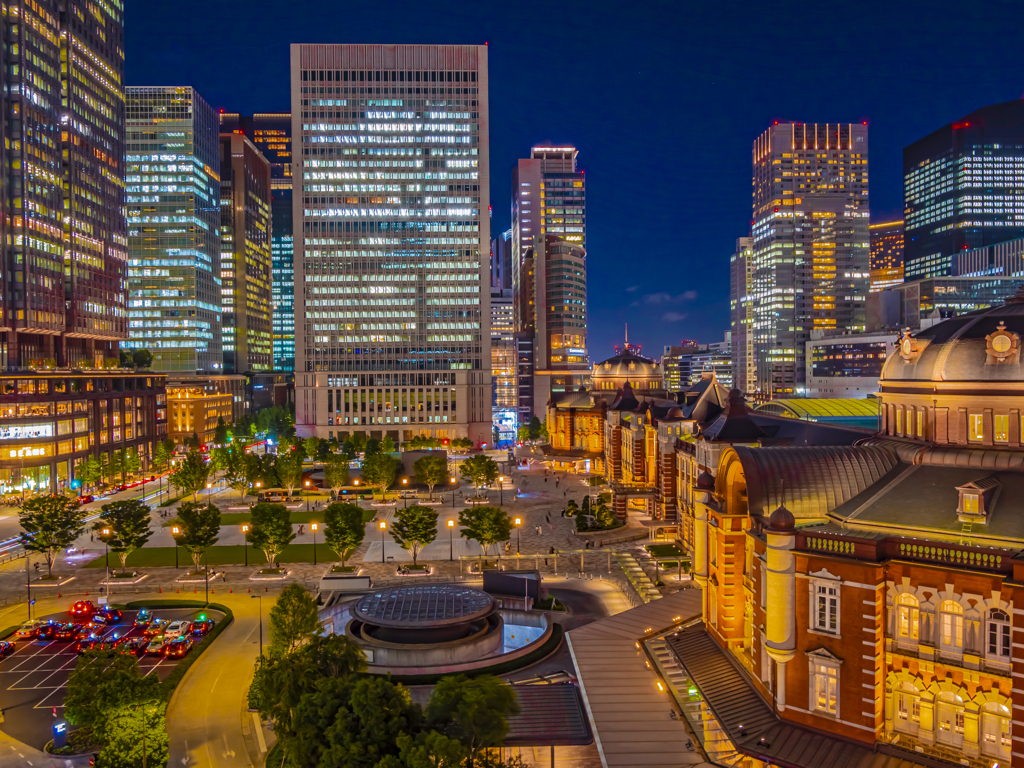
point(626, 365)
point(782, 519)
point(705, 481)
point(983, 345)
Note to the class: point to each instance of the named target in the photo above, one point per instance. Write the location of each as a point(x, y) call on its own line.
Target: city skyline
point(705, 191)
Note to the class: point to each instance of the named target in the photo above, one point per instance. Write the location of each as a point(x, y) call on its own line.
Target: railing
point(981, 558)
point(12, 554)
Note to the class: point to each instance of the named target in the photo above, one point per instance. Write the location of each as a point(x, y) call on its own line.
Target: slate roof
point(550, 715)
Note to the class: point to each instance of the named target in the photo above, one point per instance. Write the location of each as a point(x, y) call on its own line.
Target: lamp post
point(501, 490)
point(452, 481)
point(451, 550)
point(519, 523)
point(307, 499)
point(260, 598)
point(174, 532)
point(208, 487)
point(383, 527)
point(405, 482)
point(313, 528)
point(245, 538)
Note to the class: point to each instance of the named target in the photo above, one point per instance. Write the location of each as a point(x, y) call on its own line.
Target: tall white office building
point(392, 240)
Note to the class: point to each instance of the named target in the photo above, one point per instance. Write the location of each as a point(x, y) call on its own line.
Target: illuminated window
point(976, 427)
point(825, 688)
point(825, 610)
point(908, 616)
point(952, 625)
point(920, 422)
point(1001, 428)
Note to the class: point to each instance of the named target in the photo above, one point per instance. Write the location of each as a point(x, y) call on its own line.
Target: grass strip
point(298, 517)
point(231, 554)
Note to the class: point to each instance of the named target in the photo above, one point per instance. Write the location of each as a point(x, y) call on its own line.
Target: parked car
point(28, 629)
point(177, 648)
point(135, 645)
point(88, 630)
point(156, 645)
point(144, 619)
point(107, 615)
point(6, 648)
point(68, 631)
point(178, 629)
point(47, 631)
point(201, 627)
point(155, 627)
point(86, 498)
point(83, 609)
point(94, 644)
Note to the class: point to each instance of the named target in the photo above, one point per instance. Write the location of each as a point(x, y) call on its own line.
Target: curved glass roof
point(813, 408)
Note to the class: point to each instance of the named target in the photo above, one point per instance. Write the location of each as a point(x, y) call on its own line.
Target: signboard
point(60, 734)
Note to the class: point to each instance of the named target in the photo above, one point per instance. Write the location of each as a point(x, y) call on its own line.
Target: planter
point(428, 503)
point(42, 581)
point(421, 570)
point(351, 570)
point(383, 503)
point(133, 579)
point(195, 578)
point(279, 575)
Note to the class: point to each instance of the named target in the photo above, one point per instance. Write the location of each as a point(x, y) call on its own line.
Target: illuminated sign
point(577, 351)
point(21, 453)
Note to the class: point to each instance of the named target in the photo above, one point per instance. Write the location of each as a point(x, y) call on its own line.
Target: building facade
point(549, 273)
point(741, 315)
point(245, 256)
point(53, 421)
point(391, 192)
point(503, 343)
point(195, 409)
point(963, 188)
point(173, 192)
point(63, 281)
point(886, 258)
point(810, 265)
point(847, 365)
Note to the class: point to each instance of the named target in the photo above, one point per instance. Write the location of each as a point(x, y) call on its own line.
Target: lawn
point(163, 557)
point(664, 550)
point(298, 517)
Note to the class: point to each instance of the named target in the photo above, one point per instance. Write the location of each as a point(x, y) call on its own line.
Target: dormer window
point(977, 499)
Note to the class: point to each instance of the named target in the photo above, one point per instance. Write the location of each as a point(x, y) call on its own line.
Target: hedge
point(168, 685)
point(9, 631)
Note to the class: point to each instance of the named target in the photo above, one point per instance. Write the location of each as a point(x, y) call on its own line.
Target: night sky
point(663, 100)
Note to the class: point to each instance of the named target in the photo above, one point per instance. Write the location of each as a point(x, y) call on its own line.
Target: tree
point(480, 470)
point(193, 442)
point(312, 446)
point(125, 360)
point(358, 442)
point(220, 434)
point(523, 433)
point(101, 683)
point(430, 750)
point(289, 469)
point(104, 462)
point(162, 454)
point(89, 472)
point(336, 474)
point(379, 470)
point(232, 462)
point(142, 358)
point(271, 530)
point(605, 517)
point(431, 470)
point(128, 521)
point(485, 525)
point(252, 469)
point(571, 509)
point(387, 445)
point(191, 474)
point(293, 620)
point(131, 731)
point(199, 528)
point(117, 463)
point(344, 528)
point(50, 524)
point(473, 710)
point(414, 528)
point(132, 463)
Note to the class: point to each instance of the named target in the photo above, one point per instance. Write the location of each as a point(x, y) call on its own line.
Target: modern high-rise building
point(963, 188)
point(809, 255)
point(245, 268)
point(503, 342)
point(271, 132)
point(174, 218)
point(886, 259)
point(63, 276)
point(392, 240)
point(549, 274)
point(741, 316)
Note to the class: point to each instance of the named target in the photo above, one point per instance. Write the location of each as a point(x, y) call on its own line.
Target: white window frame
point(995, 742)
point(951, 629)
point(910, 616)
point(998, 634)
point(821, 590)
point(823, 674)
point(906, 702)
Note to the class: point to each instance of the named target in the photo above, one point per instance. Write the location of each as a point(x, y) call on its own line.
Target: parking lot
point(33, 678)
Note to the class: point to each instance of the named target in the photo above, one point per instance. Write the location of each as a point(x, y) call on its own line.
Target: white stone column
point(781, 626)
point(700, 540)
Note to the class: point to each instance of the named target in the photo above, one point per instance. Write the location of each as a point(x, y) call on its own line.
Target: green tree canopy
point(89, 471)
point(132, 463)
point(485, 525)
point(199, 529)
point(128, 522)
point(191, 474)
point(379, 470)
point(336, 474)
point(312, 446)
point(344, 528)
point(162, 454)
point(479, 470)
point(293, 620)
point(289, 470)
point(431, 470)
point(142, 358)
point(101, 683)
point(50, 524)
point(220, 434)
point(232, 462)
point(271, 530)
point(387, 445)
point(105, 470)
point(414, 528)
point(116, 465)
point(473, 710)
point(130, 732)
point(358, 442)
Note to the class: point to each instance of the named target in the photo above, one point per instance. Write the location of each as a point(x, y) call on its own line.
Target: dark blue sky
point(663, 100)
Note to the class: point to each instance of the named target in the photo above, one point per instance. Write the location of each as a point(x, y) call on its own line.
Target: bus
point(273, 494)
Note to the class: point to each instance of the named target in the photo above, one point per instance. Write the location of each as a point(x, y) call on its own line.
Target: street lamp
point(519, 522)
point(501, 489)
point(307, 499)
point(383, 527)
point(106, 546)
point(174, 532)
point(313, 528)
point(405, 482)
point(260, 598)
point(451, 551)
point(245, 538)
point(452, 481)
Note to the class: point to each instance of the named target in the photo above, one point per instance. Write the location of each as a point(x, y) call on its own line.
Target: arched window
point(998, 635)
point(906, 708)
point(951, 615)
point(949, 719)
point(908, 617)
point(995, 731)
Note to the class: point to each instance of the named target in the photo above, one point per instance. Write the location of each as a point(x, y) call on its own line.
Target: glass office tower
point(173, 187)
point(392, 240)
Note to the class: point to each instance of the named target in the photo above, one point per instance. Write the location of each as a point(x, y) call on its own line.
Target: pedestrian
point(547, 518)
point(565, 492)
point(540, 530)
point(91, 536)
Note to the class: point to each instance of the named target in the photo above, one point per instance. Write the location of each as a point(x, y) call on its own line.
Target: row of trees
point(535, 429)
point(327, 711)
point(596, 516)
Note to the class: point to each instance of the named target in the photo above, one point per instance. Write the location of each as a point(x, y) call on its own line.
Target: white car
point(178, 629)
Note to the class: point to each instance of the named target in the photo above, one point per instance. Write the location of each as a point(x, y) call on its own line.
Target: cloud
point(632, 288)
point(673, 317)
point(663, 297)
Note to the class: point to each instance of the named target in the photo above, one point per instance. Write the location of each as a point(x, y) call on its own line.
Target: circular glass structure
point(424, 614)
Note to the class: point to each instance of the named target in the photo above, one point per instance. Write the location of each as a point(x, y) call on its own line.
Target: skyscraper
point(886, 254)
point(245, 255)
point(963, 188)
point(173, 185)
point(741, 317)
point(392, 240)
point(503, 343)
point(271, 132)
point(549, 275)
point(62, 285)
point(810, 244)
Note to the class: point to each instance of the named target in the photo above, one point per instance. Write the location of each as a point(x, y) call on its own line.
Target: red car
point(85, 631)
point(46, 632)
point(85, 499)
point(177, 648)
point(6, 648)
point(83, 609)
point(94, 644)
point(67, 632)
